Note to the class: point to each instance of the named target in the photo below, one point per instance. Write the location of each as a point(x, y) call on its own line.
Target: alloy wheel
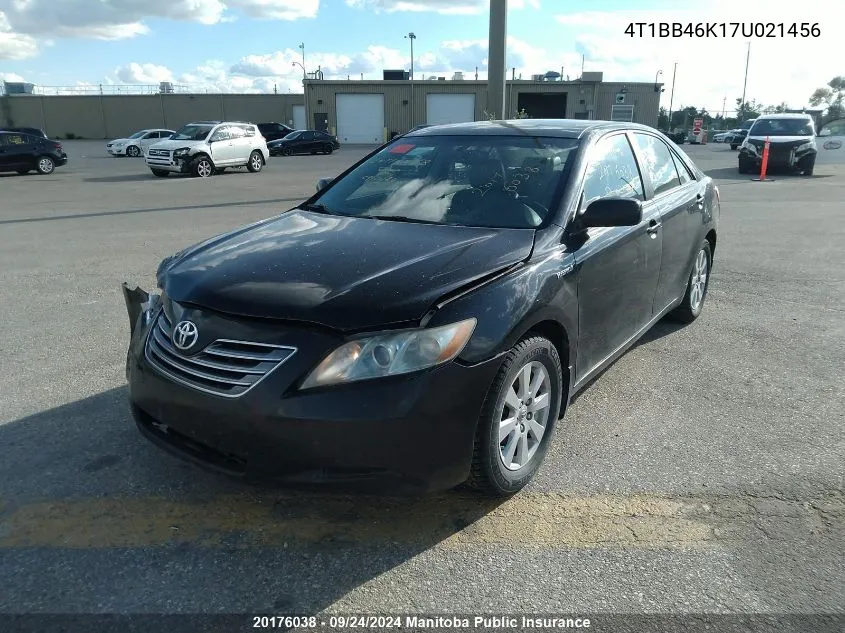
point(45, 165)
point(133, 151)
point(256, 162)
point(524, 416)
point(699, 279)
point(204, 169)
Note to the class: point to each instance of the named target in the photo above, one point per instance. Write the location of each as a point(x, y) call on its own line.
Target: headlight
point(182, 151)
point(391, 354)
point(805, 146)
point(748, 146)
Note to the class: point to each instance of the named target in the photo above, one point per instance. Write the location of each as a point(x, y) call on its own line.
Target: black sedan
point(24, 153)
point(424, 319)
point(304, 142)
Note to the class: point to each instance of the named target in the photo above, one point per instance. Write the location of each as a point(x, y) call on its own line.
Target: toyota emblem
point(185, 334)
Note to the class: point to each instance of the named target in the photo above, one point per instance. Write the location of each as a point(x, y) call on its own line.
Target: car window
point(834, 128)
point(138, 134)
point(682, 169)
point(658, 163)
point(489, 181)
point(13, 139)
point(236, 131)
point(307, 136)
point(220, 134)
point(293, 135)
point(782, 127)
point(249, 130)
point(613, 171)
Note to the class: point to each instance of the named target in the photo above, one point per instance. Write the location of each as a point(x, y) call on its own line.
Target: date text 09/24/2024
point(724, 29)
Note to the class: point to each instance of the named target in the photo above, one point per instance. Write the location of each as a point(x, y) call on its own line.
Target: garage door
point(360, 118)
point(449, 108)
point(299, 117)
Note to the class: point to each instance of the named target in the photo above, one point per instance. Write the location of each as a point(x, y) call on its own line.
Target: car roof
point(785, 115)
point(562, 128)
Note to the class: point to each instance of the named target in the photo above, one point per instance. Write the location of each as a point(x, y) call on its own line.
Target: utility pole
point(724, 100)
point(672, 96)
point(412, 37)
point(496, 58)
point(744, 84)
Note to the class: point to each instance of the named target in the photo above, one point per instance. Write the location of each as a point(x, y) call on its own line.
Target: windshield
point(746, 124)
point(489, 181)
point(782, 127)
point(138, 134)
point(193, 133)
point(292, 135)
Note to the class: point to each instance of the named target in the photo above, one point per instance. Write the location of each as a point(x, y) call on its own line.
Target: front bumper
point(786, 157)
point(179, 164)
point(406, 434)
point(116, 151)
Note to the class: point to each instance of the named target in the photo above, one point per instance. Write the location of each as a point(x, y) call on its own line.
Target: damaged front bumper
point(141, 307)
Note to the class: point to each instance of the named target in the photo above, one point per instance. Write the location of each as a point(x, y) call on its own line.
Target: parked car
point(792, 144)
point(721, 137)
point(737, 137)
point(204, 148)
point(399, 326)
point(137, 144)
point(24, 153)
point(32, 131)
point(831, 143)
point(304, 142)
point(274, 131)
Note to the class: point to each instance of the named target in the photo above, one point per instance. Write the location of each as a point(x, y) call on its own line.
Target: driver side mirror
point(612, 212)
point(322, 183)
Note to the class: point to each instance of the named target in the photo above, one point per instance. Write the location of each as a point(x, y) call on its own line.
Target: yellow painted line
point(536, 519)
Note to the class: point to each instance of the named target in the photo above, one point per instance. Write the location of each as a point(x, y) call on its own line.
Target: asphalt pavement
point(702, 472)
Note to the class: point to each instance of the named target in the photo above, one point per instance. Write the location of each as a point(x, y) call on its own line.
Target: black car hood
point(341, 272)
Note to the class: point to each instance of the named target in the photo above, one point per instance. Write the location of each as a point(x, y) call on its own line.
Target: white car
point(831, 143)
point(137, 144)
point(204, 148)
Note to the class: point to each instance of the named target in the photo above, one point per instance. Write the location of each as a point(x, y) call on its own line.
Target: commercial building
point(371, 111)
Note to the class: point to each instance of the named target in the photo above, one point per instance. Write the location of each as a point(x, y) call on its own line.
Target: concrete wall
point(645, 100)
point(113, 116)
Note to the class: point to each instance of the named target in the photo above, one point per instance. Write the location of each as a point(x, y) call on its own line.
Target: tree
point(662, 119)
point(832, 96)
point(778, 109)
point(749, 109)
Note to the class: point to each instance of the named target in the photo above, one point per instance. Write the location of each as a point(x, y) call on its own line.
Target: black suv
point(33, 131)
point(26, 152)
point(274, 131)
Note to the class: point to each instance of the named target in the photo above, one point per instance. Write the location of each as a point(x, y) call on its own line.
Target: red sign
point(696, 125)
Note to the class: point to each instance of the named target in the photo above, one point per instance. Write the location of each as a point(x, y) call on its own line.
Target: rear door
point(830, 144)
point(17, 151)
point(678, 200)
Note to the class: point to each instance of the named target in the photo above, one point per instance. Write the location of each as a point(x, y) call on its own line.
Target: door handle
point(654, 227)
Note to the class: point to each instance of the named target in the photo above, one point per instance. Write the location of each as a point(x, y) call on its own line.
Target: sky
point(251, 45)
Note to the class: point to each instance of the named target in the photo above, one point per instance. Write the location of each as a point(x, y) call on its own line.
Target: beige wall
point(112, 116)
point(645, 100)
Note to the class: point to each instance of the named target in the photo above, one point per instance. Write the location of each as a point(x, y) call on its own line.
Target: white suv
point(207, 147)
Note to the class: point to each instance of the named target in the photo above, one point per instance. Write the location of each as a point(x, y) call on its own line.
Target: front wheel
point(734, 146)
point(256, 162)
point(328, 149)
point(286, 151)
point(518, 418)
point(697, 284)
point(808, 167)
point(202, 167)
point(133, 152)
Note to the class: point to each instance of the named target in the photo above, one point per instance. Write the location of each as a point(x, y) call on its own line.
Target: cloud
point(23, 20)
point(709, 69)
point(443, 7)
point(134, 73)
point(15, 45)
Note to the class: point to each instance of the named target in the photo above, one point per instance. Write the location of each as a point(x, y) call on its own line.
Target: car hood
point(119, 140)
point(340, 272)
point(781, 139)
point(173, 144)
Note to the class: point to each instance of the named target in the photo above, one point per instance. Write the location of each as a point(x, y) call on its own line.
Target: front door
point(222, 146)
point(617, 268)
point(830, 144)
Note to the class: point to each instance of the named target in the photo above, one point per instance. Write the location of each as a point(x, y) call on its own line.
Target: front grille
point(225, 368)
point(159, 152)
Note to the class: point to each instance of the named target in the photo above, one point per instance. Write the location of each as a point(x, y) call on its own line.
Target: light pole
point(744, 84)
point(412, 37)
point(304, 87)
point(672, 96)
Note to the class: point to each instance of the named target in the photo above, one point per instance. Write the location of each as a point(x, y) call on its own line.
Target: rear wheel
point(256, 162)
point(202, 167)
point(697, 284)
point(45, 165)
point(518, 418)
point(161, 173)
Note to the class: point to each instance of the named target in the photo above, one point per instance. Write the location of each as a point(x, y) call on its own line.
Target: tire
point(743, 167)
point(161, 173)
point(45, 165)
point(808, 169)
point(696, 293)
point(133, 151)
point(202, 167)
point(255, 163)
point(328, 149)
point(733, 147)
point(488, 473)
point(286, 151)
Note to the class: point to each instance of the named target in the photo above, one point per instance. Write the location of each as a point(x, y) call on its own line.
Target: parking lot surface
point(703, 472)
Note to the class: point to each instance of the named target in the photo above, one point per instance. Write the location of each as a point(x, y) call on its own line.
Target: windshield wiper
point(402, 218)
point(318, 208)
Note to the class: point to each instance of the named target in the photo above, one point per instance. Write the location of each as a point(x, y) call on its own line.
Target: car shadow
point(122, 178)
point(663, 328)
point(81, 484)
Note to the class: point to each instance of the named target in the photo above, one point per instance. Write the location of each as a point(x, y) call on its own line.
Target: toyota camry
point(423, 320)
